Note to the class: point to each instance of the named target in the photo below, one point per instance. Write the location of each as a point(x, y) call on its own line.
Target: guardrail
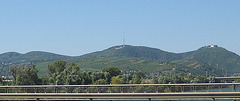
point(121, 88)
point(198, 91)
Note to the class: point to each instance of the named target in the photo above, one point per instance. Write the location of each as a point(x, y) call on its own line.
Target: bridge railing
point(123, 88)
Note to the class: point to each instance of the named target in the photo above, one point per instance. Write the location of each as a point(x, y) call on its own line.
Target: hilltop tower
point(123, 40)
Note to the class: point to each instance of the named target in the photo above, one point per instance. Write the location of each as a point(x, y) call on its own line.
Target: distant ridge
point(211, 59)
point(15, 58)
point(218, 57)
point(207, 58)
point(137, 52)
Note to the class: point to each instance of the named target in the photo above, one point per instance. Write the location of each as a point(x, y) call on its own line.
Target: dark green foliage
point(114, 71)
point(57, 67)
point(61, 74)
point(139, 76)
point(101, 82)
point(180, 78)
point(126, 78)
point(116, 80)
point(44, 81)
point(26, 75)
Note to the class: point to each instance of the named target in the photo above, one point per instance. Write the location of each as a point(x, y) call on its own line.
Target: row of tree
point(61, 73)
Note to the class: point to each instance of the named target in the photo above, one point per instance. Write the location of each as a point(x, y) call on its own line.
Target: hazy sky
point(77, 27)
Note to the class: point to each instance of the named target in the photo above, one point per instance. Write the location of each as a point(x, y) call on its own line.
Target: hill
point(142, 52)
point(34, 56)
point(213, 59)
point(209, 59)
point(13, 58)
point(218, 57)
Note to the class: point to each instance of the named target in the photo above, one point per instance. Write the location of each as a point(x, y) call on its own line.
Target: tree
point(73, 67)
point(126, 78)
point(61, 73)
point(100, 82)
point(108, 77)
point(116, 80)
point(140, 75)
point(57, 67)
point(86, 78)
point(114, 71)
point(26, 75)
point(155, 80)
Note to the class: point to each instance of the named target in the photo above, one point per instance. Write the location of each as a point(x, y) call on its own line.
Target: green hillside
point(126, 64)
point(218, 57)
point(34, 56)
point(129, 65)
point(10, 59)
point(206, 60)
point(137, 52)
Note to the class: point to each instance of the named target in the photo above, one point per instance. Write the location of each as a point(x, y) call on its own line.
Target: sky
point(77, 27)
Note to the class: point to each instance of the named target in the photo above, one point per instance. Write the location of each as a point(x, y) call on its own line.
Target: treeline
point(61, 73)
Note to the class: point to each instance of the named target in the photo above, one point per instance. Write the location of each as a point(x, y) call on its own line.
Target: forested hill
point(143, 52)
point(218, 57)
point(207, 58)
point(34, 56)
point(214, 59)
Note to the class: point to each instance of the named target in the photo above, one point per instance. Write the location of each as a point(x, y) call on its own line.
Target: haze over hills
point(213, 59)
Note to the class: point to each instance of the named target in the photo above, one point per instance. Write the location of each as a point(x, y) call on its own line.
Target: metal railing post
point(35, 90)
point(235, 88)
point(6, 90)
point(182, 89)
point(170, 88)
point(194, 88)
point(207, 88)
point(156, 87)
point(45, 90)
point(55, 89)
point(133, 89)
point(144, 90)
point(220, 88)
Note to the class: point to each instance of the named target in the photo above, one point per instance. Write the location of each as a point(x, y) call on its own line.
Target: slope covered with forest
point(209, 59)
point(138, 52)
